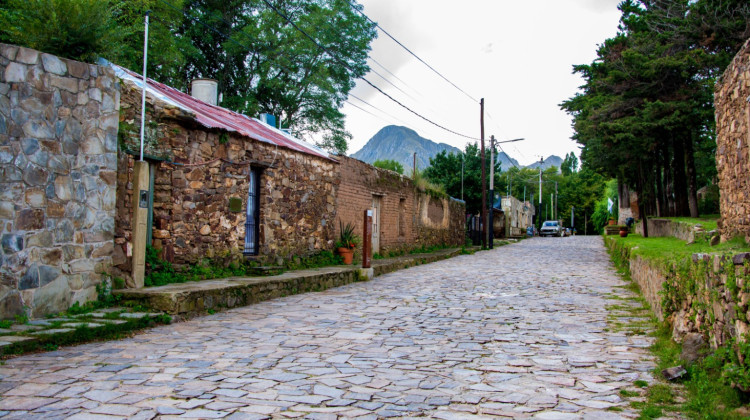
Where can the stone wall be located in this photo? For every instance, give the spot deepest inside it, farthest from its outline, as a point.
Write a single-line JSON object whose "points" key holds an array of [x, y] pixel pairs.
{"points": [[708, 294], [198, 170], [408, 218], [733, 145], [666, 227], [58, 141]]}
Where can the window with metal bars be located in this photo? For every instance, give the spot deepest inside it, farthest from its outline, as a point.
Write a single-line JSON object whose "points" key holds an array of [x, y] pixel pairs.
{"points": [[252, 214]]}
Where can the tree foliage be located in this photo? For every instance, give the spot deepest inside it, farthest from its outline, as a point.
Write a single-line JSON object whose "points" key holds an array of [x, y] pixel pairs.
{"points": [[645, 112], [266, 65], [78, 29], [445, 169]]}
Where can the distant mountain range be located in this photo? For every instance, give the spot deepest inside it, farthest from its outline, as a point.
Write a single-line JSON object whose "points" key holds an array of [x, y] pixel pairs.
{"points": [[550, 161], [399, 143]]}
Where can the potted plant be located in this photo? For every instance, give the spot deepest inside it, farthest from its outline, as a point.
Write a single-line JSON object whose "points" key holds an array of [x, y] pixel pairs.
{"points": [[624, 231], [611, 221], [347, 242]]}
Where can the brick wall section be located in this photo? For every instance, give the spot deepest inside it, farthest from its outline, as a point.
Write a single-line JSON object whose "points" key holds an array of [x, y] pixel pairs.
{"points": [[409, 218], [192, 220], [58, 140], [733, 145]]}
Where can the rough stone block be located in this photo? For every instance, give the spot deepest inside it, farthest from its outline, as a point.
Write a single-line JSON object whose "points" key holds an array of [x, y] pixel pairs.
{"points": [[54, 65], [29, 219], [15, 73], [11, 243], [78, 69]]}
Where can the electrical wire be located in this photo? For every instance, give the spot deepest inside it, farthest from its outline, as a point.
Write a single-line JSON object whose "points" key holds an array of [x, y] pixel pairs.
{"points": [[354, 6], [283, 16], [342, 62]]}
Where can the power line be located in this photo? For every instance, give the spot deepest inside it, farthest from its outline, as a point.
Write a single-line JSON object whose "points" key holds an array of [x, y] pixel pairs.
{"points": [[409, 51], [342, 62]]}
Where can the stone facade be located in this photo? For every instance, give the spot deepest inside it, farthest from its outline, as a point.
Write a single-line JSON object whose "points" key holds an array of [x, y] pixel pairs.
{"points": [[198, 171], [519, 215], [409, 218], [733, 145], [58, 143]]}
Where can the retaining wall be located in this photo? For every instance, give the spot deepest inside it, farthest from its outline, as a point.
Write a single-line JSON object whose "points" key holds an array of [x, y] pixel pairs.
{"points": [[706, 294]]}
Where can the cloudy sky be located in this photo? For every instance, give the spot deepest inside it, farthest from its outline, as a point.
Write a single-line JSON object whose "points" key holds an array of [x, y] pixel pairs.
{"points": [[517, 55]]}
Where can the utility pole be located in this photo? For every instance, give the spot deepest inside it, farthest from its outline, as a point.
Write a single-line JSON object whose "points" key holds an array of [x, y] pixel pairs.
{"points": [[556, 215], [490, 230], [572, 217], [541, 161], [462, 176], [483, 216]]}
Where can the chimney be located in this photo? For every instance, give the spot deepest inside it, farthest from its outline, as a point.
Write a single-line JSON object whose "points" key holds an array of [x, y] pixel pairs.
{"points": [[205, 90]]}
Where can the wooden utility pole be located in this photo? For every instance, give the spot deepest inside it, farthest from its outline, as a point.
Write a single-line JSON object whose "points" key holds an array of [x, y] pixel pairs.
{"points": [[483, 216]]}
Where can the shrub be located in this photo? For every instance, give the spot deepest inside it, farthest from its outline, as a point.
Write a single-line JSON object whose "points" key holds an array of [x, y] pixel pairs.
{"points": [[81, 30]]}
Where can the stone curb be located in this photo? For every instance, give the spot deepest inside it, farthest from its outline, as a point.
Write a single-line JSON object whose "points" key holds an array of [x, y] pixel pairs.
{"points": [[187, 299]]}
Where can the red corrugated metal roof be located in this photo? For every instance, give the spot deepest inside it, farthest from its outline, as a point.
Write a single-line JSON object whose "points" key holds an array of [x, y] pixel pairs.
{"points": [[217, 117]]}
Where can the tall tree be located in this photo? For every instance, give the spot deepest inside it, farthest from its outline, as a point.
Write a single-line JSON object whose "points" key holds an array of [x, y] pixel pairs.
{"points": [[264, 64], [646, 106]]}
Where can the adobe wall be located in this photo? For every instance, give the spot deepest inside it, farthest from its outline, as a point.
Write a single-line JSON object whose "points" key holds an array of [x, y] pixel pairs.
{"points": [[202, 169], [733, 145], [409, 218], [58, 141]]}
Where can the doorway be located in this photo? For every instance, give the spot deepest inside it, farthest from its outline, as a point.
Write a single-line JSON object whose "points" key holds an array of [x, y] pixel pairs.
{"points": [[376, 205]]}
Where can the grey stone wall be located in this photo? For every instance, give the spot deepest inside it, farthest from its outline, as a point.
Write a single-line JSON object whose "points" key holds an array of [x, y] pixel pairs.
{"points": [[58, 160]]}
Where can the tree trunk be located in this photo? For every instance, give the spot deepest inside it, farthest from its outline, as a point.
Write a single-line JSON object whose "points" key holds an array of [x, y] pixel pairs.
{"points": [[641, 199], [680, 181], [691, 177], [668, 184], [660, 202]]}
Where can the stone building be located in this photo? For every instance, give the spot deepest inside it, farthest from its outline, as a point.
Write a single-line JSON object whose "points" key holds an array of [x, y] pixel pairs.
{"points": [[733, 145], [404, 216], [518, 216], [224, 186], [58, 160]]}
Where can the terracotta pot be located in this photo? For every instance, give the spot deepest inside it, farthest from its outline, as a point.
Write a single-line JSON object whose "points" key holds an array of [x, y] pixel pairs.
{"points": [[347, 254], [612, 222], [624, 232]]}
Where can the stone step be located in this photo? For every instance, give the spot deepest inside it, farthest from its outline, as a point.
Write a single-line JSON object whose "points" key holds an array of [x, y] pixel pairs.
{"points": [[198, 297]]}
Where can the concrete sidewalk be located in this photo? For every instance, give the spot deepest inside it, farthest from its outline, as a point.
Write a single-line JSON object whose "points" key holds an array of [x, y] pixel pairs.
{"points": [[186, 299]]}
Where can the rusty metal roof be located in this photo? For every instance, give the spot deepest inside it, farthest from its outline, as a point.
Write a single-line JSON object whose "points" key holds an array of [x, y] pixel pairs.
{"points": [[213, 116]]}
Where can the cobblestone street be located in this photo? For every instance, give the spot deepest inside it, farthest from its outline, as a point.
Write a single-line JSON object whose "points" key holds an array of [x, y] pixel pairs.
{"points": [[520, 331]]}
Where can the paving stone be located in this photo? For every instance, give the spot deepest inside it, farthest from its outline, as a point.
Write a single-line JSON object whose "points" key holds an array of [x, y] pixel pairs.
{"points": [[495, 334]]}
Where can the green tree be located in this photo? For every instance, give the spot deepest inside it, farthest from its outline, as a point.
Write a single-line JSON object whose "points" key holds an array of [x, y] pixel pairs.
{"points": [[81, 30], [266, 65], [389, 164], [445, 169], [647, 104], [570, 164]]}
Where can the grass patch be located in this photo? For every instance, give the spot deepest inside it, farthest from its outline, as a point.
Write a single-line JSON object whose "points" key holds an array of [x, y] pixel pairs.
{"points": [[669, 249], [706, 388], [709, 221]]}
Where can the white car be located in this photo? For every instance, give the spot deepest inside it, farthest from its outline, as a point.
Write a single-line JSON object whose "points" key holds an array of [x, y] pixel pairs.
{"points": [[551, 228]]}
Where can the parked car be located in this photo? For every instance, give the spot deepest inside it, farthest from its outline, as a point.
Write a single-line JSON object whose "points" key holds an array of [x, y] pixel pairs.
{"points": [[551, 228]]}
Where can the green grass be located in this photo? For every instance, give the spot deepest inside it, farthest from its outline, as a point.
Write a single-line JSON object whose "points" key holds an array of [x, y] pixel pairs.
{"points": [[664, 249], [708, 221]]}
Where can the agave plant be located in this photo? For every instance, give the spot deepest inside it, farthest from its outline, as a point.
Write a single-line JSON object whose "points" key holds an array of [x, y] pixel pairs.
{"points": [[347, 238]]}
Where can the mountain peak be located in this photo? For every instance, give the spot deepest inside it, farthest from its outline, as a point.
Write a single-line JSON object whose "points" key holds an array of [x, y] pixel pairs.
{"points": [[400, 143]]}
